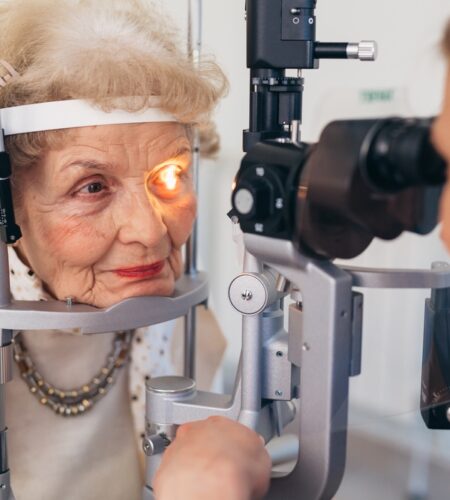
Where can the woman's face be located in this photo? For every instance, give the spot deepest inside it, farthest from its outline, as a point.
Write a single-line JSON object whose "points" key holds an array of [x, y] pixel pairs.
{"points": [[441, 139], [105, 216]]}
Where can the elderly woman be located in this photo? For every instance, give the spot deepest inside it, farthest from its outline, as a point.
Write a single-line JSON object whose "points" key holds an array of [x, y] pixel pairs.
{"points": [[104, 212]]}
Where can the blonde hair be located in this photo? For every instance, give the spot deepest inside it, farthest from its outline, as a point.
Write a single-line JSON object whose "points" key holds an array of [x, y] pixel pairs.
{"points": [[100, 50]]}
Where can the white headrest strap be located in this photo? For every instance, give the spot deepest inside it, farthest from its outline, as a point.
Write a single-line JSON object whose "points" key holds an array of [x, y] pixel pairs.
{"points": [[58, 115]]}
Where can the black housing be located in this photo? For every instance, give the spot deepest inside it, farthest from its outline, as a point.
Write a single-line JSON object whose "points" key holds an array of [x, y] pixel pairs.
{"points": [[363, 179]]}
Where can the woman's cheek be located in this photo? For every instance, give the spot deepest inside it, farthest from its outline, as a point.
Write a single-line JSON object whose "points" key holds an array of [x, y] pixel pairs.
{"points": [[176, 263], [179, 219], [69, 239]]}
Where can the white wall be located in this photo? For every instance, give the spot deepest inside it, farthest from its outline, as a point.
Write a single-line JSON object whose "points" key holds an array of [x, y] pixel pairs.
{"points": [[411, 68]]}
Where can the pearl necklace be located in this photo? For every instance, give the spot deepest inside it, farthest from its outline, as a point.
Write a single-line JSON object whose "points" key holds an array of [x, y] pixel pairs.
{"points": [[72, 403]]}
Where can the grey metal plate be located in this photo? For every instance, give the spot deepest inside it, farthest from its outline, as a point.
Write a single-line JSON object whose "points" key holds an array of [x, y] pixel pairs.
{"points": [[438, 277], [126, 315]]}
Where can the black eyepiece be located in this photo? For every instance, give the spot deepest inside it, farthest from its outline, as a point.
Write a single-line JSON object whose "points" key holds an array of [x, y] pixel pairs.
{"points": [[398, 153]]}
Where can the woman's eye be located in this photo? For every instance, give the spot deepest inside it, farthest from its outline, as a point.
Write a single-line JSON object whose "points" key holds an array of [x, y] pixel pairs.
{"points": [[92, 188], [167, 182]]}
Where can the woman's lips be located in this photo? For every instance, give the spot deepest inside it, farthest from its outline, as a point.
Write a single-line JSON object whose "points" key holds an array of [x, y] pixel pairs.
{"points": [[141, 272]]}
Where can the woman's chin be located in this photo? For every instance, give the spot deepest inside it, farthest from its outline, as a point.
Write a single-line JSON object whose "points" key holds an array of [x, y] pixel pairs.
{"points": [[104, 299]]}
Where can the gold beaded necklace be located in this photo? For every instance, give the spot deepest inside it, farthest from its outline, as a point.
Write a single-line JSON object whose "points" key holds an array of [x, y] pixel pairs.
{"points": [[72, 403]]}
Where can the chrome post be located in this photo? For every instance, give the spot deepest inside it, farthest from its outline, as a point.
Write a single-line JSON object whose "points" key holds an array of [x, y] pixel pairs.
{"points": [[194, 51]]}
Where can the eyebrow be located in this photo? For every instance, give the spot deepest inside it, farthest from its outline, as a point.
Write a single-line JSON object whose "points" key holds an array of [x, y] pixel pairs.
{"points": [[178, 151], [181, 150], [90, 163]]}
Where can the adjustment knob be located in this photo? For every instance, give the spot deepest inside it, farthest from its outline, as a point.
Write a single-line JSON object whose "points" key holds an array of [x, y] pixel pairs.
{"points": [[253, 200], [155, 444], [366, 50], [244, 201]]}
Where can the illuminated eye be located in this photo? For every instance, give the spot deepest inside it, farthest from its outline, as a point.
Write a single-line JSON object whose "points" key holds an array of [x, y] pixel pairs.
{"points": [[170, 176], [166, 182]]}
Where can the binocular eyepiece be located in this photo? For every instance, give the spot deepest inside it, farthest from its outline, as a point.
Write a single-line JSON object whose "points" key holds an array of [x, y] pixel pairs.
{"points": [[398, 153], [363, 179]]}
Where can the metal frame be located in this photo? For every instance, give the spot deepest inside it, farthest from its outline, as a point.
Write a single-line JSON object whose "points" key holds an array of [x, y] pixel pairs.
{"points": [[194, 49], [325, 344]]}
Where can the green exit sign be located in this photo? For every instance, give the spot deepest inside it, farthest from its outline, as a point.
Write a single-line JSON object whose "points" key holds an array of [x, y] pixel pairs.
{"points": [[380, 95]]}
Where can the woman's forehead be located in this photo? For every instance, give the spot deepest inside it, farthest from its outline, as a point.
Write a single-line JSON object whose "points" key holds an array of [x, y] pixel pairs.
{"points": [[157, 137], [118, 148]]}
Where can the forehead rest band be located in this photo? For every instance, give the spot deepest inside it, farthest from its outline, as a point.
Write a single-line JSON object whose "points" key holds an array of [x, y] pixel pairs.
{"points": [[57, 115]]}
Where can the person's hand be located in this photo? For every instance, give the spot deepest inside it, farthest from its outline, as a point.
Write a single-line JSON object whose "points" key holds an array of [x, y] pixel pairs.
{"points": [[215, 459]]}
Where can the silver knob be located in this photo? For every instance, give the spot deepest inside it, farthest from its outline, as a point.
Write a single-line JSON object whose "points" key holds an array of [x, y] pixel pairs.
{"points": [[155, 444], [364, 51], [251, 293]]}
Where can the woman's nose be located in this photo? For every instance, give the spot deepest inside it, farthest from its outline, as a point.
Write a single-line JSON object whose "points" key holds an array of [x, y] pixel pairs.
{"points": [[140, 220]]}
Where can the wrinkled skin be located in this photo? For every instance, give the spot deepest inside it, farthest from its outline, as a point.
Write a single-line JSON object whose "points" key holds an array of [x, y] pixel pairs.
{"points": [[441, 139], [99, 204]]}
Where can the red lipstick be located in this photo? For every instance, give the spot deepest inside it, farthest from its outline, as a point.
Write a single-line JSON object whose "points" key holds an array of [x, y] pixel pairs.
{"points": [[141, 272]]}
